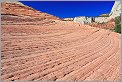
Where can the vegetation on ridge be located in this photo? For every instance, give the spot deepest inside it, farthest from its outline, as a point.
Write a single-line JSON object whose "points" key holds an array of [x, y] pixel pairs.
{"points": [[118, 24]]}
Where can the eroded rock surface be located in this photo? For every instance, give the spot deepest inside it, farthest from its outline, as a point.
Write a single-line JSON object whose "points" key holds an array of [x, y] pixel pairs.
{"points": [[37, 49], [116, 11]]}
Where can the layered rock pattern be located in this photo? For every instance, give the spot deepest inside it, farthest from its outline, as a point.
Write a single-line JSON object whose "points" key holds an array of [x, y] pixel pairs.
{"points": [[35, 49], [23, 13]]}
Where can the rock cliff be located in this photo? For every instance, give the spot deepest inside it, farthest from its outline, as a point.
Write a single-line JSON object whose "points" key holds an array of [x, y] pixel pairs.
{"points": [[116, 11]]}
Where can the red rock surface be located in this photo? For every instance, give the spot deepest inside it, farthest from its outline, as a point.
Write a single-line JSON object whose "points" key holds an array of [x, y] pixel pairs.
{"points": [[35, 49], [109, 25], [21, 10]]}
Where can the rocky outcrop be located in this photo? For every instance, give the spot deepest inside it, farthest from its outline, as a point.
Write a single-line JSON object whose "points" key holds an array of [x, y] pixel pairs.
{"points": [[101, 19], [116, 11], [108, 25], [18, 13], [83, 20], [105, 21], [89, 20], [18, 9]]}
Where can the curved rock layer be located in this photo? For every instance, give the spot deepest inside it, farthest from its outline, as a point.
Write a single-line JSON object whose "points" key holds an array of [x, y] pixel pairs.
{"points": [[22, 10], [59, 53], [59, 50]]}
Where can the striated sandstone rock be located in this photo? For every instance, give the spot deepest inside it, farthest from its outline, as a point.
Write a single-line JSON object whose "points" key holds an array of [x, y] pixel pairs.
{"points": [[17, 13], [61, 51], [9, 8]]}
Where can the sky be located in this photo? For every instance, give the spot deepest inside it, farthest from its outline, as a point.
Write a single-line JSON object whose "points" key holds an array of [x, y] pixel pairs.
{"points": [[71, 9]]}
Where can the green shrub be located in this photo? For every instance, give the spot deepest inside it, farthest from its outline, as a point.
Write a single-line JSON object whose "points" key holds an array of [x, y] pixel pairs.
{"points": [[117, 24]]}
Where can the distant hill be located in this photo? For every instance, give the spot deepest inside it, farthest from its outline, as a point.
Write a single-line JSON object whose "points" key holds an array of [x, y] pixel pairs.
{"points": [[18, 9]]}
